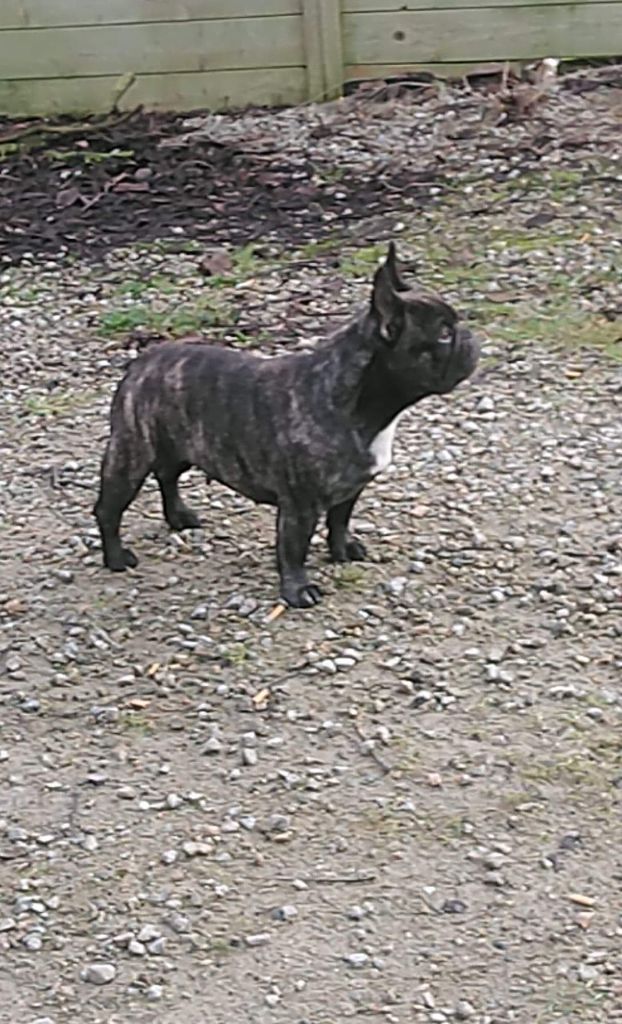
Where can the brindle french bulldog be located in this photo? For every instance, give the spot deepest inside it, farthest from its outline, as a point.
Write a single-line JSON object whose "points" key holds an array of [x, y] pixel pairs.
{"points": [[305, 432]]}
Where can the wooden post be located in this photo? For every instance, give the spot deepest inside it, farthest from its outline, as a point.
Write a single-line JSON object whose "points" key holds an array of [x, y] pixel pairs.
{"points": [[323, 48]]}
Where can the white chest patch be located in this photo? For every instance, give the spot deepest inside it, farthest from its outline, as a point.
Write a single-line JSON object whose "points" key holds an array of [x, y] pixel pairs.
{"points": [[381, 448]]}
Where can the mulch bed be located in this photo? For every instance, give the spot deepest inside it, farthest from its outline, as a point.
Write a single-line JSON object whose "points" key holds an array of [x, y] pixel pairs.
{"points": [[135, 178]]}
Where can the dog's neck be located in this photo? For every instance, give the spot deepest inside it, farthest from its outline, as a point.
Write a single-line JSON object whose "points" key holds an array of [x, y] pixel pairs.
{"points": [[361, 383], [380, 400]]}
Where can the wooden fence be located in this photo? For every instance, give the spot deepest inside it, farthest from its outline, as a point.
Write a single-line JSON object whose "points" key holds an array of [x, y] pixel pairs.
{"points": [[62, 56]]}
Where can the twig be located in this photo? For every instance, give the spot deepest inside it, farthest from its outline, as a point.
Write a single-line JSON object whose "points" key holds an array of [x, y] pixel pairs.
{"points": [[40, 128], [331, 879], [372, 752], [121, 87]]}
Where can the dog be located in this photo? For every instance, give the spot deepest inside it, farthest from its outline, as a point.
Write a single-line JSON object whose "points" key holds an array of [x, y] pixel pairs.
{"points": [[305, 432]]}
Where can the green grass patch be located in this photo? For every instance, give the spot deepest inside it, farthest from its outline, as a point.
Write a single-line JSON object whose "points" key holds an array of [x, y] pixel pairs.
{"points": [[362, 262], [56, 404], [87, 157], [175, 322], [349, 577]]}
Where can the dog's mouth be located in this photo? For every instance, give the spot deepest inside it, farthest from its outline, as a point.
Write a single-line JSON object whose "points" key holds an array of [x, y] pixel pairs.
{"points": [[461, 356]]}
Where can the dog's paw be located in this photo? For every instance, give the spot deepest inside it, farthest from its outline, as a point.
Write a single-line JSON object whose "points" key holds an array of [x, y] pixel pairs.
{"points": [[129, 558], [352, 551], [119, 563], [355, 551], [184, 519], [304, 596]]}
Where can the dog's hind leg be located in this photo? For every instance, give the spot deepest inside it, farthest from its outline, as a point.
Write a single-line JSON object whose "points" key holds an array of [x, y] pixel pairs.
{"points": [[176, 512], [122, 476], [342, 546]]}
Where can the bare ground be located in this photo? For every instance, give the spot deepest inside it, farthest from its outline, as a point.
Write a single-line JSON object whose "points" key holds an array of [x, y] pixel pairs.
{"points": [[404, 805]]}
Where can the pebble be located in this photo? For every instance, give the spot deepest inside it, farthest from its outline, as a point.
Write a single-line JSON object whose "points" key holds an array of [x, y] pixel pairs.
{"points": [[493, 861], [278, 823], [587, 973], [396, 586], [200, 612], [464, 1010], [453, 907], [285, 913], [196, 849], [99, 973], [64, 575], [157, 947], [213, 745], [148, 933], [356, 960], [260, 939], [126, 793]]}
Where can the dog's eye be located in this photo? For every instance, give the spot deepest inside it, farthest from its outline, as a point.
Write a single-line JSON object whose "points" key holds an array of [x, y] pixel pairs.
{"points": [[446, 335]]}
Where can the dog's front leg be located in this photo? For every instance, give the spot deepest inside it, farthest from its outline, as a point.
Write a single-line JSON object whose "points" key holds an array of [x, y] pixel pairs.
{"points": [[295, 527], [342, 545]]}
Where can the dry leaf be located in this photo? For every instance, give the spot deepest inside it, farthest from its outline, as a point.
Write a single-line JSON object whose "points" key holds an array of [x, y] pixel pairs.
{"points": [[261, 697], [67, 197], [216, 263], [153, 668]]}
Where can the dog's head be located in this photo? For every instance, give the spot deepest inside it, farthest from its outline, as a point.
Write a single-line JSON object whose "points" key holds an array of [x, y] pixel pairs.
{"points": [[421, 344]]}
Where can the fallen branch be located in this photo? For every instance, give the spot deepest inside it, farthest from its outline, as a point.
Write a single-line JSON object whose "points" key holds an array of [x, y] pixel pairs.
{"points": [[82, 128]]}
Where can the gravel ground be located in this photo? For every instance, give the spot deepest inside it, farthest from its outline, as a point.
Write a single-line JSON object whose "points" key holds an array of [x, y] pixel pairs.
{"points": [[403, 805]]}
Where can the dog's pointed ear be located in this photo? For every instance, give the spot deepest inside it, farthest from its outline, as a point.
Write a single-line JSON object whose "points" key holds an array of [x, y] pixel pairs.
{"points": [[386, 304], [393, 267]]}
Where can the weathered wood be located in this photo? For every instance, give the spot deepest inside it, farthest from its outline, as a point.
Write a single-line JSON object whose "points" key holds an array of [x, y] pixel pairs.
{"points": [[391, 6], [511, 33], [323, 48], [59, 56], [152, 48], [215, 90], [53, 13]]}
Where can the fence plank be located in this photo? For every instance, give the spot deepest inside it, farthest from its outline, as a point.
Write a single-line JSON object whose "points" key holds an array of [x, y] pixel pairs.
{"points": [[512, 33], [323, 48], [215, 90], [377, 6], [151, 48], [54, 13]]}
